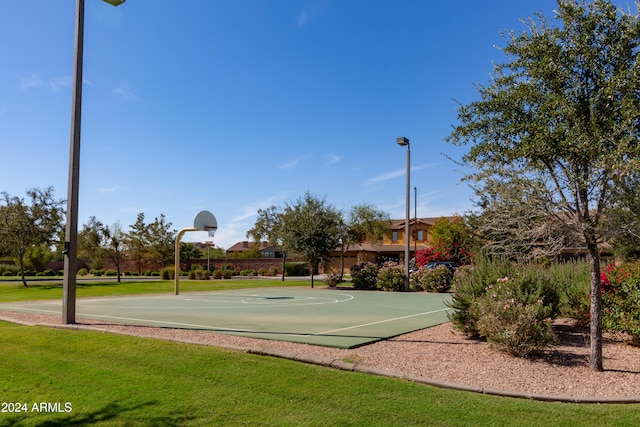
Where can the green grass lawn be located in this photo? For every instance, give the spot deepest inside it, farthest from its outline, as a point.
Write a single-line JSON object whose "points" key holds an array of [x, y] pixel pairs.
{"points": [[107, 379], [50, 289], [113, 380]]}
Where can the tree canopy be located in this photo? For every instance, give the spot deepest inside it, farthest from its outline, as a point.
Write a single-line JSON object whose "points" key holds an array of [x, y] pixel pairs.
{"points": [[311, 228], [30, 224], [563, 111]]}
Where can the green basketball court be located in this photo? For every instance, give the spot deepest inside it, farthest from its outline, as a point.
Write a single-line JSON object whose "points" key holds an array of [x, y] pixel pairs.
{"points": [[327, 317]]}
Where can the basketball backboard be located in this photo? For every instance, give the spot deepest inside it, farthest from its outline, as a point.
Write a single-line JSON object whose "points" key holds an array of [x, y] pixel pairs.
{"points": [[205, 221]]}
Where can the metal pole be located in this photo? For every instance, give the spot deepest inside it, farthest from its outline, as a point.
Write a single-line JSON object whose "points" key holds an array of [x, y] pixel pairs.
{"points": [[71, 231], [415, 218], [176, 274], [407, 248]]}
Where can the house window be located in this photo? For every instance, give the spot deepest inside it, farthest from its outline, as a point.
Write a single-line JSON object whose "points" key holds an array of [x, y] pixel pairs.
{"points": [[394, 236], [420, 237]]}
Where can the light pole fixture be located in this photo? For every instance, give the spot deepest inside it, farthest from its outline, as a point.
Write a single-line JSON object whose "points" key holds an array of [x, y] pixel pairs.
{"points": [[70, 250], [402, 141]]}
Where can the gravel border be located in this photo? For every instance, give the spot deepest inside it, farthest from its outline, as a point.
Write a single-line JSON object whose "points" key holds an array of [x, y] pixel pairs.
{"points": [[437, 356]]}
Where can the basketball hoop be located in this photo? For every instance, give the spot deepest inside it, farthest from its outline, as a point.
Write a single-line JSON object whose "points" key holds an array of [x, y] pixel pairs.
{"points": [[211, 230], [204, 221]]}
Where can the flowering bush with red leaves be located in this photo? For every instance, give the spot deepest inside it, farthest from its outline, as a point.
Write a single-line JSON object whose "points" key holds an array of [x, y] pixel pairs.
{"points": [[620, 287], [441, 251]]}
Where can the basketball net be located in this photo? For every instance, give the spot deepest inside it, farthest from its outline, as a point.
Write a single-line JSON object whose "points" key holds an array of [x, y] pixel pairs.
{"points": [[211, 231]]}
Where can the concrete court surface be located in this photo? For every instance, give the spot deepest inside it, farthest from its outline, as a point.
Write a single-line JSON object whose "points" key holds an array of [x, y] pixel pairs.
{"points": [[321, 316]]}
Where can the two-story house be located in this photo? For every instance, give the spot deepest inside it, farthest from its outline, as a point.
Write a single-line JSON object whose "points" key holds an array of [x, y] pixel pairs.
{"points": [[391, 247]]}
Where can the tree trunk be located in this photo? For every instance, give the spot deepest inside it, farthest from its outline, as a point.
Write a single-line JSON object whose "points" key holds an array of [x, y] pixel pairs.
{"points": [[312, 269], [24, 281], [596, 305]]}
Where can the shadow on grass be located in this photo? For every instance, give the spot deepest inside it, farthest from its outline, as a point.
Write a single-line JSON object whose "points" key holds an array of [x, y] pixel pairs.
{"points": [[108, 413]]}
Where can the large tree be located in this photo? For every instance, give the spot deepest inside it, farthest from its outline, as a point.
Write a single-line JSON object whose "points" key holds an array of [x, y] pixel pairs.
{"points": [[113, 243], [362, 223], [97, 241], [27, 224], [563, 110], [311, 228], [90, 246], [137, 242], [514, 223], [269, 227], [162, 240]]}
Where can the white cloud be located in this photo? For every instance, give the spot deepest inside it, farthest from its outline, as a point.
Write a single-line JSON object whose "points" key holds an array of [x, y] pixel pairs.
{"points": [[333, 159], [303, 18], [396, 173], [291, 164], [387, 176], [30, 82], [252, 210], [124, 91], [57, 83]]}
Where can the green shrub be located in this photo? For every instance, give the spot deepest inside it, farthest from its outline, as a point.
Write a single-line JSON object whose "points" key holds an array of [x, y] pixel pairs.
{"points": [[217, 274], [246, 272], [391, 277], [155, 273], [110, 273], [168, 273], [199, 274], [83, 272], [364, 276], [470, 283], [332, 279], [293, 269], [40, 274], [513, 317], [11, 269], [431, 279], [227, 274]]}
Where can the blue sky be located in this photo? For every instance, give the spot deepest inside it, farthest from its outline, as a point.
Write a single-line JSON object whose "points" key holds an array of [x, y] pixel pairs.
{"points": [[233, 105]]}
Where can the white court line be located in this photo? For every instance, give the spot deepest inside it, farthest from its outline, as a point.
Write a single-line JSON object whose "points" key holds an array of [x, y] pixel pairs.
{"points": [[161, 322], [207, 327], [381, 321], [240, 303]]}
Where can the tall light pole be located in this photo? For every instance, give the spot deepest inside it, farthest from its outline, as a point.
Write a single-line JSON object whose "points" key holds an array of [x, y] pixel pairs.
{"points": [[208, 244], [402, 141], [415, 220], [70, 250]]}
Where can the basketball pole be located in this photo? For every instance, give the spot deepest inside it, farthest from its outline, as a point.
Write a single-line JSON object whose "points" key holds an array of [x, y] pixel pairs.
{"points": [[176, 274]]}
